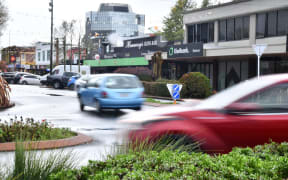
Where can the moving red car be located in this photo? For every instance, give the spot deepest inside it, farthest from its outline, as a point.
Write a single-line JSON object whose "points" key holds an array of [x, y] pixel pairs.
{"points": [[251, 113]]}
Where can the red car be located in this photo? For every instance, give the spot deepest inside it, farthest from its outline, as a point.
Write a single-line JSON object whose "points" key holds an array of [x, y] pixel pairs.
{"points": [[251, 113]]}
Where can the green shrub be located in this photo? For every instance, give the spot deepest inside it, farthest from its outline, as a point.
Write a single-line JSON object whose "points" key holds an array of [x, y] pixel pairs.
{"points": [[262, 162], [156, 89], [195, 85]]}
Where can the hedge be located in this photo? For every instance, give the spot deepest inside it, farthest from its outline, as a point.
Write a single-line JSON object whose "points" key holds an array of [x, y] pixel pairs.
{"points": [[158, 88], [263, 162]]}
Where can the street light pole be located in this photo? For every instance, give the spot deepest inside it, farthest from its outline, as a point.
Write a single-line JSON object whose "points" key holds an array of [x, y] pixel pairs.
{"points": [[51, 43]]}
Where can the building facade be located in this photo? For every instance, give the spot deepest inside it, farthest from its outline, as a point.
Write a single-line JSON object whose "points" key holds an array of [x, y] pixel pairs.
{"points": [[228, 32]]}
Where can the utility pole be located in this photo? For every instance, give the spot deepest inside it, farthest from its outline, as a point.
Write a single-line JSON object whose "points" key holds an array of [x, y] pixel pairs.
{"points": [[51, 43], [64, 52], [79, 53], [57, 51]]}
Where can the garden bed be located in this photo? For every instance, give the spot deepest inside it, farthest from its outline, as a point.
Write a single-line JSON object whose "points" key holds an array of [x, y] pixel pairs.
{"points": [[37, 135]]}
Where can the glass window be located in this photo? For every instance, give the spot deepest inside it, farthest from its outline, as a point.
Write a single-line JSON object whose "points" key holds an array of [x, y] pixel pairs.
{"points": [[198, 33], [272, 24], [230, 29], [275, 96], [238, 28], [39, 56], [222, 30], [246, 27], [43, 55], [282, 22], [94, 82], [204, 33], [211, 32], [261, 25], [48, 55], [191, 32], [122, 82]]}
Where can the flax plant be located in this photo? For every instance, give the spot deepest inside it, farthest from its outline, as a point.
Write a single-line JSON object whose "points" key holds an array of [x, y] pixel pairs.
{"points": [[4, 93]]}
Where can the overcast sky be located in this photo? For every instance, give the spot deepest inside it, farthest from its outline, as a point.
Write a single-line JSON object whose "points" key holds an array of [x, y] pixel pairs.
{"points": [[30, 19]]}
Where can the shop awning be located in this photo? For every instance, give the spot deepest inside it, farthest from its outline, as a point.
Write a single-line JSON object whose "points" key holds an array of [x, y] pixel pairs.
{"points": [[137, 61]]}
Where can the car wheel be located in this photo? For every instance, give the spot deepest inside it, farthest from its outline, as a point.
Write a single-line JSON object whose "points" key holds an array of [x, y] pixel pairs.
{"points": [[177, 142], [98, 107], [71, 87], [82, 106], [57, 85], [12, 81], [138, 108], [25, 83]]}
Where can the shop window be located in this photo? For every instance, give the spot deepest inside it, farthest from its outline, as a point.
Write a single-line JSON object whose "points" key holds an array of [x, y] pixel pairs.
{"points": [[282, 22], [230, 29], [272, 24], [222, 30], [261, 25]]}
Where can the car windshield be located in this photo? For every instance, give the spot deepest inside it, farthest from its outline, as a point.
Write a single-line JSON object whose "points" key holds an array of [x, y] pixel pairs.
{"points": [[122, 82]]}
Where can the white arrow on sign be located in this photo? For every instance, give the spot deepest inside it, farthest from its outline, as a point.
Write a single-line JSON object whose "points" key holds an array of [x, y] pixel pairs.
{"points": [[259, 49]]}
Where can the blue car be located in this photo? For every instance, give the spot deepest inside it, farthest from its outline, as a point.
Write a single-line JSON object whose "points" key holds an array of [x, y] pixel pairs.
{"points": [[72, 80], [112, 91]]}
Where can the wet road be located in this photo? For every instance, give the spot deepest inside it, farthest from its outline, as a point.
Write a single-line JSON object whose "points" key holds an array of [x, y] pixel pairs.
{"points": [[61, 108]]}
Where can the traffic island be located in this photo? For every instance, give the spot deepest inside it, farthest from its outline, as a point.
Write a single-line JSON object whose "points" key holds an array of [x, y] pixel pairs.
{"points": [[37, 135]]}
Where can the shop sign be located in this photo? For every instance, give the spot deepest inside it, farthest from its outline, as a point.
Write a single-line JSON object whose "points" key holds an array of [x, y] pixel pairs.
{"points": [[185, 50]]}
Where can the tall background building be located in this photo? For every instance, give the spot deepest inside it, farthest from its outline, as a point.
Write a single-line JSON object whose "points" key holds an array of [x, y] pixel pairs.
{"points": [[112, 18]]}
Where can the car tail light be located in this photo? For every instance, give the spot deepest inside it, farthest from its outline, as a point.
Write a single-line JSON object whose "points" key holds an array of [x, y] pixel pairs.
{"points": [[104, 94]]}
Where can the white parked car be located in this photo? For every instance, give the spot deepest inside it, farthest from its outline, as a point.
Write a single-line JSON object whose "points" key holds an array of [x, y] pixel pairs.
{"points": [[30, 79]]}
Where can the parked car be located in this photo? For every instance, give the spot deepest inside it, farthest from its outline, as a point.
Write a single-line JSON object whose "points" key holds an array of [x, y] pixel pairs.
{"points": [[30, 80], [84, 70], [43, 79], [82, 81], [9, 76], [72, 80], [59, 81], [18, 76], [112, 91], [248, 114]]}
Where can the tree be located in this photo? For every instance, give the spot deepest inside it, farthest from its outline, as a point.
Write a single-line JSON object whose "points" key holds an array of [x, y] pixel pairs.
{"points": [[3, 16], [205, 3], [173, 24]]}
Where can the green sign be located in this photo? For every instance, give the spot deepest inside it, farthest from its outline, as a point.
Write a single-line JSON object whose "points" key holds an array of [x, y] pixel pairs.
{"points": [[138, 61]]}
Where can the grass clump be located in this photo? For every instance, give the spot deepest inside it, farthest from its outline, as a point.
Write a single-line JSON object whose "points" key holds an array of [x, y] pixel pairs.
{"points": [[268, 161], [31, 130], [34, 165]]}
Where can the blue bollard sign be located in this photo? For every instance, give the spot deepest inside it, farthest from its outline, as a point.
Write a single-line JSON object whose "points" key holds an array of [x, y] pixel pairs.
{"points": [[174, 90]]}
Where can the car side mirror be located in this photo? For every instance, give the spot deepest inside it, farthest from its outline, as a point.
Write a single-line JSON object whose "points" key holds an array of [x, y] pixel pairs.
{"points": [[235, 108]]}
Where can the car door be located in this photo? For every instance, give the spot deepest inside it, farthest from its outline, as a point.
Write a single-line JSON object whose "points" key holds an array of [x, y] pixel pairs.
{"points": [[266, 120], [91, 91]]}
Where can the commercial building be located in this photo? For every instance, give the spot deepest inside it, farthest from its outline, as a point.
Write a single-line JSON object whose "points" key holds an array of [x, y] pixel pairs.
{"points": [[19, 58], [220, 40]]}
